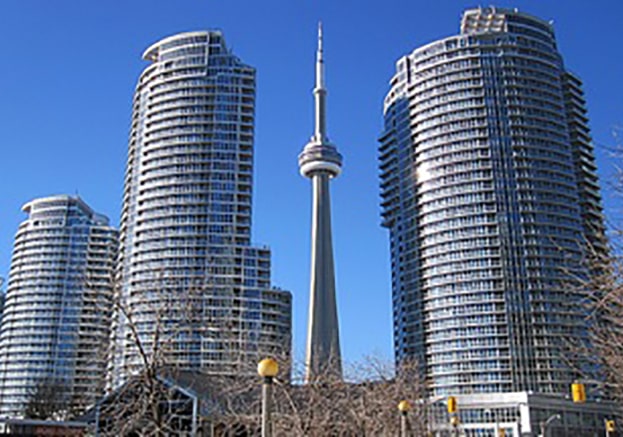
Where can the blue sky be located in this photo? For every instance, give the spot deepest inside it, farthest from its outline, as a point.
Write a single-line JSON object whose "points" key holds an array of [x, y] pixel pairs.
{"points": [[69, 68]]}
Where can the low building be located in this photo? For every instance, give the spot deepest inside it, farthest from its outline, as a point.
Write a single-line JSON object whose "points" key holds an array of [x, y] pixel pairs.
{"points": [[519, 414], [31, 427]]}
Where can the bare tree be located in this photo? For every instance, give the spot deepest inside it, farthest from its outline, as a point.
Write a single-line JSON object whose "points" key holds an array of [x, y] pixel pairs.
{"points": [[604, 291], [156, 323], [160, 322], [365, 406], [49, 400], [144, 406], [154, 401], [605, 305]]}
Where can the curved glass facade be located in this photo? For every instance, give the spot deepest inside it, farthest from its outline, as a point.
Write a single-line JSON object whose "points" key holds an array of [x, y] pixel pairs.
{"points": [[489, 191], [57, 312], [186, 219]]}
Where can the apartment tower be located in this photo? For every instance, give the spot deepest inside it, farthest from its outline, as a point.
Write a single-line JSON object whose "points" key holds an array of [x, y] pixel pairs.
{"points": [[490, 194], [189, 275], [57, 314]]}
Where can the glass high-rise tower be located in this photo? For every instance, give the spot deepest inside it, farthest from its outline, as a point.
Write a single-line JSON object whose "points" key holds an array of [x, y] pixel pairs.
{"points": [[185, 234], [57, 312], [489, 192]]}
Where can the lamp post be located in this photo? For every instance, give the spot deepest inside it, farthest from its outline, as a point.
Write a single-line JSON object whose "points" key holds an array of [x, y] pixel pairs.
{"points": [[518, 405], [496, 432], [267, 369], [455, 422], [404, 407], [545, 423]]}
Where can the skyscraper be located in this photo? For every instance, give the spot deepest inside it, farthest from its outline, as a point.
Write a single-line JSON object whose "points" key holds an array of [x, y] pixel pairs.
{"points": [[489, 192], [185, 236], [320, 161], [57, 314]]}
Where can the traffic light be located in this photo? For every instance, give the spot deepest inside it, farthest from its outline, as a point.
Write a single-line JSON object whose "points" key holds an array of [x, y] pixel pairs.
{"points": [[452, 405], [610, 426], [578, 392]]}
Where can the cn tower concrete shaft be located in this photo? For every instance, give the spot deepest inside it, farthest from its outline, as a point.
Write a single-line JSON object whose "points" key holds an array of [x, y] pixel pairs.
{"points": [[320, 161], [323, 338]]}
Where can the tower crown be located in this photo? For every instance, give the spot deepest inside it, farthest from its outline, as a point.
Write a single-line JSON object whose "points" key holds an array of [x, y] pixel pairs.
{"points": [[319, 155]]}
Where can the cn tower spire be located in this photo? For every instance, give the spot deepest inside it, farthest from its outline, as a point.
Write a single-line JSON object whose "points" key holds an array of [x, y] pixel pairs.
{"points": [[320, 93], [320, 161]]}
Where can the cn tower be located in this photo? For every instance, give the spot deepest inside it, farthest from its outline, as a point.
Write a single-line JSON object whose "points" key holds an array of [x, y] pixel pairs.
{"points": [[320, 161]]}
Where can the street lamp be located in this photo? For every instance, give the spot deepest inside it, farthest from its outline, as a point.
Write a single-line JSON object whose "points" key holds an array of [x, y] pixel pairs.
{"points": [[490, 413], [404, 407], [545, 423], [518, 405], [267, 369], [455, 422]]}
